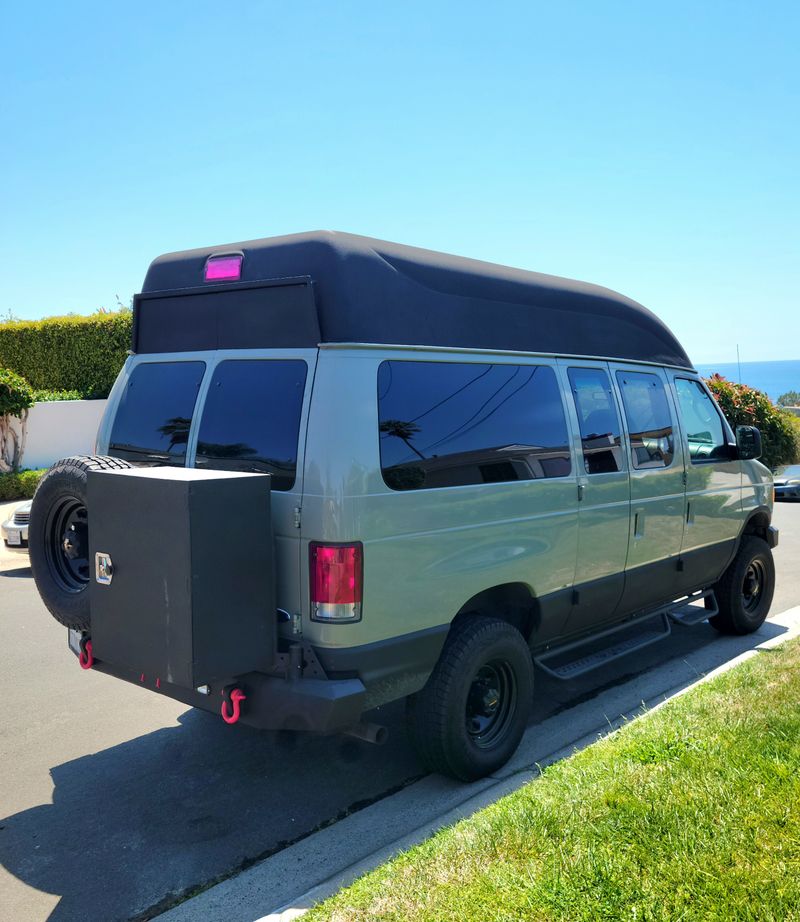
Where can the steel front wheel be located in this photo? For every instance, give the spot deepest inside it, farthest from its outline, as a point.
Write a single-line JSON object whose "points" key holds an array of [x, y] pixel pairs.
{"points": [[469, 718], [745, 591]]}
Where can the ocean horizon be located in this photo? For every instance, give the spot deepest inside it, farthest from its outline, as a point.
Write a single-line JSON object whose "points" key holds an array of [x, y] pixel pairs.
{"points": [[773, 378]]}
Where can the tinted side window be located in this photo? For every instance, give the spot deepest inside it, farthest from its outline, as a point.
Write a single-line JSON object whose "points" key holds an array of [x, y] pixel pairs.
{"points": [[649, 420], [155, 412], [597, 419], [701, 419], [445, 424], [251, 419]]}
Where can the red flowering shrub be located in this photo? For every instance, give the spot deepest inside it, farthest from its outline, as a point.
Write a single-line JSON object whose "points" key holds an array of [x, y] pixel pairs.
{"points": [[745, 406]]}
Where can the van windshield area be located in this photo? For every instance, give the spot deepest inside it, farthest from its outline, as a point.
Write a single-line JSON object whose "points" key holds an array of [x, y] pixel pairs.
{"points": [[249, 420]]}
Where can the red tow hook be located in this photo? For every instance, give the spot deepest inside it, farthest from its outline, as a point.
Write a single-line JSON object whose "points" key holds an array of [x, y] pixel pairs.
{"points": [[236, 695], [85, 657]]}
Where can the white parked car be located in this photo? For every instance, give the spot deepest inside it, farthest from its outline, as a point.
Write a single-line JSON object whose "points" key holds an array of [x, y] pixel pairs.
{"points": [[15, 530]]}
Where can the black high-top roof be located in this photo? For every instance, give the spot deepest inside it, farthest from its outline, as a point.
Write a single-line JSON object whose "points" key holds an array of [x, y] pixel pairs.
{"points": [[371, 291]]}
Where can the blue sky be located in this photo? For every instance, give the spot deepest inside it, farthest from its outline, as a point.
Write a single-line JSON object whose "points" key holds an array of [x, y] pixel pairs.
{"points": [[652, 148]]}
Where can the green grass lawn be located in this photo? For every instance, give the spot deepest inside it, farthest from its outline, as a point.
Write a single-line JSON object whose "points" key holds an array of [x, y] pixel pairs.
{"points": [[690, 813]]}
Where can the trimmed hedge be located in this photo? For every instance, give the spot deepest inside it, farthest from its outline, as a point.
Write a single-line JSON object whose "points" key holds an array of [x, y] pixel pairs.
{"points": [[47, 396], [80, 354], [21, 485]]}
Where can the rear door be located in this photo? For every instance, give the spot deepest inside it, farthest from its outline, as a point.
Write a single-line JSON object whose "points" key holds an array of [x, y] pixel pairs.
{"points": [[237, 409], [253, 417], [657, 489], [603, 493]]}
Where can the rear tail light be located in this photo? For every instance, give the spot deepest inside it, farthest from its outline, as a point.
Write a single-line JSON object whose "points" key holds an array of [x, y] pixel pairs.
{"points": [[336, 581], [223, 268]]}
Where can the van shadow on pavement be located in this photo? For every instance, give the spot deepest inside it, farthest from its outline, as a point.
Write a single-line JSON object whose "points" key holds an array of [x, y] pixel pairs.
{"points": [[132, 824], [135, 825]]}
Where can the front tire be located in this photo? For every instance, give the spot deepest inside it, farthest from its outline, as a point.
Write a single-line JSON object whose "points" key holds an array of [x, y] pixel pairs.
{"points": [[58, 538], [744, 593], [469, 718]]}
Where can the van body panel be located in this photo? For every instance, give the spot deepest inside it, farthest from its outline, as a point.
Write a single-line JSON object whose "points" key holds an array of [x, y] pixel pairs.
{"points": [[434, 548], [757, 489], [390, 669]]}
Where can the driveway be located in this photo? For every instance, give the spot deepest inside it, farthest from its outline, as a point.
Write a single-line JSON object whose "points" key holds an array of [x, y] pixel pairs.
{"points": [[114, 800]]}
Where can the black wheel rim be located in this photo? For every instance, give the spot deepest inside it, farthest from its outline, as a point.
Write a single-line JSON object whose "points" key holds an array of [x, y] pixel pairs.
{"points": [[67, 543], [755, 578], [491, 704]]}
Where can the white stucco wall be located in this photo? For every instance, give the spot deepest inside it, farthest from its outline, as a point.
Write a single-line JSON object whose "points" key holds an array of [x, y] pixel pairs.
{"points": [[59, 429]]}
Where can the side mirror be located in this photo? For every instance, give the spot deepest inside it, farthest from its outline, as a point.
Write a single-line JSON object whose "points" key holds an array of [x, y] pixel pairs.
{"points": [[748, 443]]}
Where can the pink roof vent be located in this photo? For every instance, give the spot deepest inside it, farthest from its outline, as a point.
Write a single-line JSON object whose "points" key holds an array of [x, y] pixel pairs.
{"points": [[223, 268]]}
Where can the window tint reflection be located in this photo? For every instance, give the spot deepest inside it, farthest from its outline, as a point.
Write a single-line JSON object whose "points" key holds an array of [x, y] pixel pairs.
{"points": [[597, 419], [251, 418], [702, 422], [649, 419], [155, 412], [452, 424]]}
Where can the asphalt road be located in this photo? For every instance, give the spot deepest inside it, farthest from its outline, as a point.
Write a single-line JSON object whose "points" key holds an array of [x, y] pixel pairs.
{"points": [[114, 799]]}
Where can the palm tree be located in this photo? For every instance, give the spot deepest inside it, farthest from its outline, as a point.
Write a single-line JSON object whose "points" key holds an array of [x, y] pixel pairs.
{"points": [[402, 430], [177, 429]]}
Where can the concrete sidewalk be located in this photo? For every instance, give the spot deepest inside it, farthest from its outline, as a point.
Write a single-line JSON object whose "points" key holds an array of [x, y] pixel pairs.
{"points": [[283, 886]]}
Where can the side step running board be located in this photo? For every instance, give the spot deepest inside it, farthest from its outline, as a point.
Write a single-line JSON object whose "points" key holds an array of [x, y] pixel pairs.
{"points": [[582, 656], [688, 614], [605, 647]]}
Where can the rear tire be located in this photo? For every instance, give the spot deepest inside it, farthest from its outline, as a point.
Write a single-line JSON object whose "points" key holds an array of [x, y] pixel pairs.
{"points": [[58, 538], [469, 718], [744, 593]]}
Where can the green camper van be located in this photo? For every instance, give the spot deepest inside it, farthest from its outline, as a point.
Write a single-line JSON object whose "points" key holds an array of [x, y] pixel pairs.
{"points": [[335, 472]]}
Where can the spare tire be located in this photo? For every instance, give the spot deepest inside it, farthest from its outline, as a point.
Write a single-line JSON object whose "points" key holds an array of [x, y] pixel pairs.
{"points": [[58, 537]]}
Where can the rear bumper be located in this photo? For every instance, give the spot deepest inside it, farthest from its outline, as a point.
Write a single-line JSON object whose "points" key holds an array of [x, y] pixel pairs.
{"points": [[347, 682], [270, 703]]}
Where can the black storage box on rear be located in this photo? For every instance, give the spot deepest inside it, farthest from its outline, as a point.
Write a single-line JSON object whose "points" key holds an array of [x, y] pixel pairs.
{"points": [[191, 596]]}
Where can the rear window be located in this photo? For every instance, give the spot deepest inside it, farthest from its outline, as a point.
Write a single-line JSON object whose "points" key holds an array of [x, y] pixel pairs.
{"points": [[251, 418], [155, 412], [449, 424]]}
